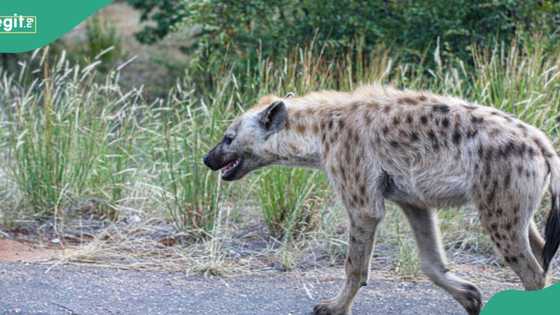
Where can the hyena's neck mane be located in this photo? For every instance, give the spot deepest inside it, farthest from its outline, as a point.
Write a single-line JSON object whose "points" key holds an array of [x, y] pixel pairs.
{"points": [[298, 143]]}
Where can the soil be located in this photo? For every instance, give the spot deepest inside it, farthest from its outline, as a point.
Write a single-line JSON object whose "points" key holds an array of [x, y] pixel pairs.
{"points": [[17, 251]]}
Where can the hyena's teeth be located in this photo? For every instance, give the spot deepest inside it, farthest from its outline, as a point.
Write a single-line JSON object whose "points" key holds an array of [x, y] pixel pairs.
{"points": [[230, 166]]}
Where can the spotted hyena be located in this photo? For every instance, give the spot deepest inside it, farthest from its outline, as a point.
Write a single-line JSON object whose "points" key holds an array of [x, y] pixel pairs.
{"points": [[421, 151]]}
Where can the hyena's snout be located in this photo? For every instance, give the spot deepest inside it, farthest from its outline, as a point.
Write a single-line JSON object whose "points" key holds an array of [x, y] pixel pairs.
{"points": [[230, 164], [211, 160]]}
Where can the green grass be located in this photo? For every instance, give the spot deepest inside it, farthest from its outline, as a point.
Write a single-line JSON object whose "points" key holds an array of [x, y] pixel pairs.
{"points": [[290, 201]]}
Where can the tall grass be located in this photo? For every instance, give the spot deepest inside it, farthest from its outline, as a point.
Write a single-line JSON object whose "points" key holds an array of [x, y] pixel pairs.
{"points": [[290, 201], [68, 137], [193, 190]]}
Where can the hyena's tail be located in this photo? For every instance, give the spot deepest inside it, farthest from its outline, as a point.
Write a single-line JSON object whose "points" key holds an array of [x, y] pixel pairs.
{"points": [[552, 230]]}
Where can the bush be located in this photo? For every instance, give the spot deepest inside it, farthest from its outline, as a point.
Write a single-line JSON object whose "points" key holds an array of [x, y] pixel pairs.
{"points": [[273, 28]]}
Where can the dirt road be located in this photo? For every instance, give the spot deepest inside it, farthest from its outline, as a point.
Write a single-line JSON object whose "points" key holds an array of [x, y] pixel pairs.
{"points": [[38, 289]]}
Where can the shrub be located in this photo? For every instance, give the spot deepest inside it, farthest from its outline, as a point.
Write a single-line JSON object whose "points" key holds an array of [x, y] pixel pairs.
{"points": [[274, 28]]}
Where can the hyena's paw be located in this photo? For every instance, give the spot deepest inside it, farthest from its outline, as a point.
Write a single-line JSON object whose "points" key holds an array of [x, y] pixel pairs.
{"points": [[471, 299], [329, 308]]}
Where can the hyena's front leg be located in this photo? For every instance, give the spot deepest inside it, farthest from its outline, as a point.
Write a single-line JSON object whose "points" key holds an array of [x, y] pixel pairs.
{"points": [[433, 261], [363, 224]]}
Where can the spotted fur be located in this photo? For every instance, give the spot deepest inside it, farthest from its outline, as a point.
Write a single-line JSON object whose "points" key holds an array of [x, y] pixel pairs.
{"points": [[421, 151]]}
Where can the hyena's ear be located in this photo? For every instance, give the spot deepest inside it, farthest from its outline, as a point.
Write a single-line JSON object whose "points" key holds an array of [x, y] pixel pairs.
{"points": [[274, 117]]}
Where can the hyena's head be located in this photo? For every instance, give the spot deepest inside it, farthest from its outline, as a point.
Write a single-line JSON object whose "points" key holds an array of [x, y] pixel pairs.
{"points": [[243, 148]]}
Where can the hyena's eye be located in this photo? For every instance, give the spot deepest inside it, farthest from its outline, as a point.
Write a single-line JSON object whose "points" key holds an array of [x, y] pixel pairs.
{"points": [[228, 139]]}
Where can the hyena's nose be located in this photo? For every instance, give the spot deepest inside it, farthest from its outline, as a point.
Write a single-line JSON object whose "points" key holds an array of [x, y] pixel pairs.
{"points": [[205, 160]]}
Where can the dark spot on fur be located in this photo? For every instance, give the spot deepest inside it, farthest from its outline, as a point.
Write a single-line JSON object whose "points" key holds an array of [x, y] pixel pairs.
{"points": [[407, 100], [499, 211], [543, 150], [356, 138], [469, 107], [432, 136], [489, 154], [507, 179], [487, 172], [367, 117], [445, 122], [396, 120], [315, 128], [422, 98], [300, 128], [423, 119], [480, 151], [341, 123], [476, 120], [409, 119], [413, 136], [362, 189], [494, 132], [385, 130], [456, 137], [520, 149], [471, 133], [492, 194], [506, 149], [440, 108], [394, 143], [494, 226], [386, 109]]}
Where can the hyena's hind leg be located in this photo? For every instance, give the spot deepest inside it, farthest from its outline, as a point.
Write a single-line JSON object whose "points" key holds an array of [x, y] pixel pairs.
{"points": [[509, 229], [433, 261]]}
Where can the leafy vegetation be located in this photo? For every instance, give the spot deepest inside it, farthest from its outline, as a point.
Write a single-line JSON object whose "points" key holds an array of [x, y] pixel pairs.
{"points": [[249, 29]]}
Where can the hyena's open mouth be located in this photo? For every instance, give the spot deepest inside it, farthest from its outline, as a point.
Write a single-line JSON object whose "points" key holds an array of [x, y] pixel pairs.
{"points": [[229, 170]]}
